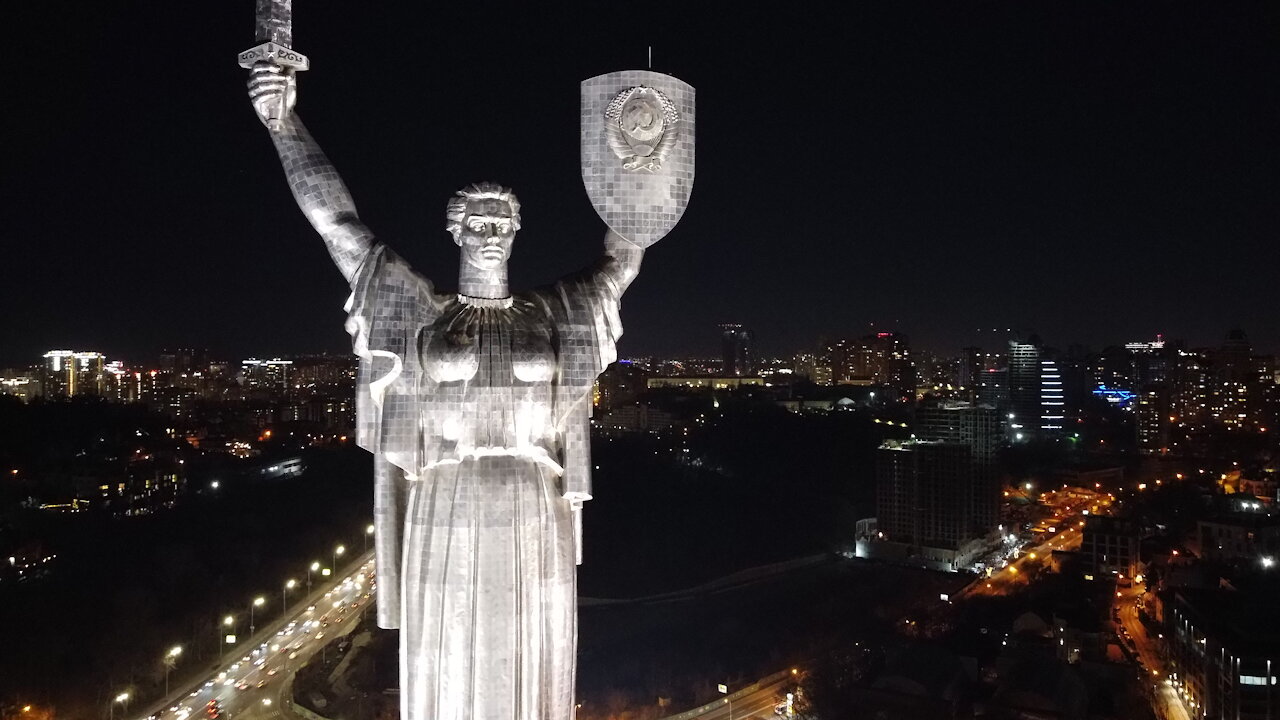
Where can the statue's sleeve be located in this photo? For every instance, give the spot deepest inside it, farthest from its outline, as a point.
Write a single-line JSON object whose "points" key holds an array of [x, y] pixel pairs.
{"points": [[585, 309], [390, 306]]}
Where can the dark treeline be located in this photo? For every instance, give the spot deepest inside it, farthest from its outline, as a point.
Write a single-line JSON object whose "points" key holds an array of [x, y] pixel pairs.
{"points": [[757, 485]]}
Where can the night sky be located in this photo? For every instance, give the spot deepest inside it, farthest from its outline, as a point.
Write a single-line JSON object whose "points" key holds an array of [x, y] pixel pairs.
{"points": [[1099, 173]]}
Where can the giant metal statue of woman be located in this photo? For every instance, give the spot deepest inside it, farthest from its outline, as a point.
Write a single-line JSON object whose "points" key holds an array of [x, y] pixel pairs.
{"points": [[475, 404]]}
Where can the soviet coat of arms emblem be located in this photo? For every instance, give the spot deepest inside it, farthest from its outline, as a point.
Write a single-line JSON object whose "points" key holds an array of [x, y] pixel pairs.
{"points": [[643, 126]]}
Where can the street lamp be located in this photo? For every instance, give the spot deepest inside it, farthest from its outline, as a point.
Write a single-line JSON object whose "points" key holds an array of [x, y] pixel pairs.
{"points": [[122, 698], [170, 659], [314, 566], [368, 533], [257, 603], [724, 690], [284, 594], [228, 622], [337, 553]]}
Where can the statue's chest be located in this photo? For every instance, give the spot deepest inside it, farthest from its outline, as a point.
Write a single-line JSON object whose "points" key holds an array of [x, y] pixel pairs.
{"points": [[490, 347]]}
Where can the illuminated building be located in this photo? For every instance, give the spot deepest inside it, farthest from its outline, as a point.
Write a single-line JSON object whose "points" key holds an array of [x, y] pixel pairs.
{"points": [[20, 384], [736, 350], [1037, 404], [1233, 376], [620, 384], [121, 384], [69, 373], [704, 383], [983, 374], [638, 417], [266, 374], [882, 358], [1190, 391], [1152, 419], [1225, 655], [811, 366]]}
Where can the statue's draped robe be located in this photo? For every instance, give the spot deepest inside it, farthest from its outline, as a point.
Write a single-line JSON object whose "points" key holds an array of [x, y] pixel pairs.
{"points": [[478, 421]]}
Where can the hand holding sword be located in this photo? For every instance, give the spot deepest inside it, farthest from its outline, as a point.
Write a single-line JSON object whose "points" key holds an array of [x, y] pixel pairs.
{"points": [[272, 86]]}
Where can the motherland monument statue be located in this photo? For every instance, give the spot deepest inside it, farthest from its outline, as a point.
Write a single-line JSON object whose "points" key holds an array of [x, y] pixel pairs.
{"points": [[476, 404]]}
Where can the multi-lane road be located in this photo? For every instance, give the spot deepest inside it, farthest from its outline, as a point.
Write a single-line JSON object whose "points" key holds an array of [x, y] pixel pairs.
{"points": [[254, 683], [759, 705]]}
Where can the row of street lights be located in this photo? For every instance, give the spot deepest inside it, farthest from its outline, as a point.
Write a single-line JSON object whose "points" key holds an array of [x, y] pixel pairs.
{"points": [[229, 622]]}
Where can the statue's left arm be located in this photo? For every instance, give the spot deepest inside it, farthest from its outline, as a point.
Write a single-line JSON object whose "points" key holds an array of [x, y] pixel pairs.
{"points": [[621, 260]]}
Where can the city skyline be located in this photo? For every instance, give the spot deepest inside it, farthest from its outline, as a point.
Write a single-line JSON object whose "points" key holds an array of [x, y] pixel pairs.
{"points": [[1092, 172]]}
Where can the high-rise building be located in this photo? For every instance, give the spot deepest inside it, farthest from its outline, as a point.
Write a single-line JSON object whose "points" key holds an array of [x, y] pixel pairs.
{"points": [[1037, 404], [979, 428], [68, 373], [1052, 400], [1152, 419], [882, 358], [1024, 390], [924, 495], [736, 350], [266, 374]]}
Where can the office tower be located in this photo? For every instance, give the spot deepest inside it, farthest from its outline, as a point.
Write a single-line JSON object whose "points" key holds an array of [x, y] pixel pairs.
{"points": [[1052, 401], [1024, 390], [736, 350], [1037, 405]]}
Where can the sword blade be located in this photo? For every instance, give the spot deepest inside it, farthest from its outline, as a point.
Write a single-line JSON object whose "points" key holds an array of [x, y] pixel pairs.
{"points": [[273, 22]]}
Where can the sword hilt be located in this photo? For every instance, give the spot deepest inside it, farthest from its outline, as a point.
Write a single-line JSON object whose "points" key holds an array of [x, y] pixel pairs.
{"points": [[280, 56]]}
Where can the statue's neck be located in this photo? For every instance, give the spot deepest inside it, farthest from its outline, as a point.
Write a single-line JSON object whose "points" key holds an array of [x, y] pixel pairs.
{"points": [[477, 282]]}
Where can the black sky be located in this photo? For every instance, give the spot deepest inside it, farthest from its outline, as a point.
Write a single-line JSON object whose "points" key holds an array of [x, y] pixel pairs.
{"points": [[1098, 172]]}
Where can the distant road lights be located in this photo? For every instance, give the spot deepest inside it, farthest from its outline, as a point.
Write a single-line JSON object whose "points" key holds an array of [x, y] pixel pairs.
{"points": [[215, 485], [310, 569], [1268, 561], [368, 533], [337, 553]]}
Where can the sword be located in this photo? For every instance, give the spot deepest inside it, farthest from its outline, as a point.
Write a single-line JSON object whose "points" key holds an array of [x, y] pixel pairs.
{"points": [[273, 28]]}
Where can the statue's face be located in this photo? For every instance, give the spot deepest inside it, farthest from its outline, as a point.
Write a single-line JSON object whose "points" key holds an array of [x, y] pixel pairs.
{"points": [[487, 233]]}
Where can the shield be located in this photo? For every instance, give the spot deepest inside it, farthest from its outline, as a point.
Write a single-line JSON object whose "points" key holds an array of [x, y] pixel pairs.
{"points": [[637, 151]]}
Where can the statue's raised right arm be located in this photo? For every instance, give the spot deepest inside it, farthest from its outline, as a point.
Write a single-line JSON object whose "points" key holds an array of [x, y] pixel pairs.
{"points": [[315, 184]]}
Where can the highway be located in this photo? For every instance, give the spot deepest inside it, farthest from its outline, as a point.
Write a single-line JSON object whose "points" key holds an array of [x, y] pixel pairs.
{"points": [[758, 705], [253, 683]]}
